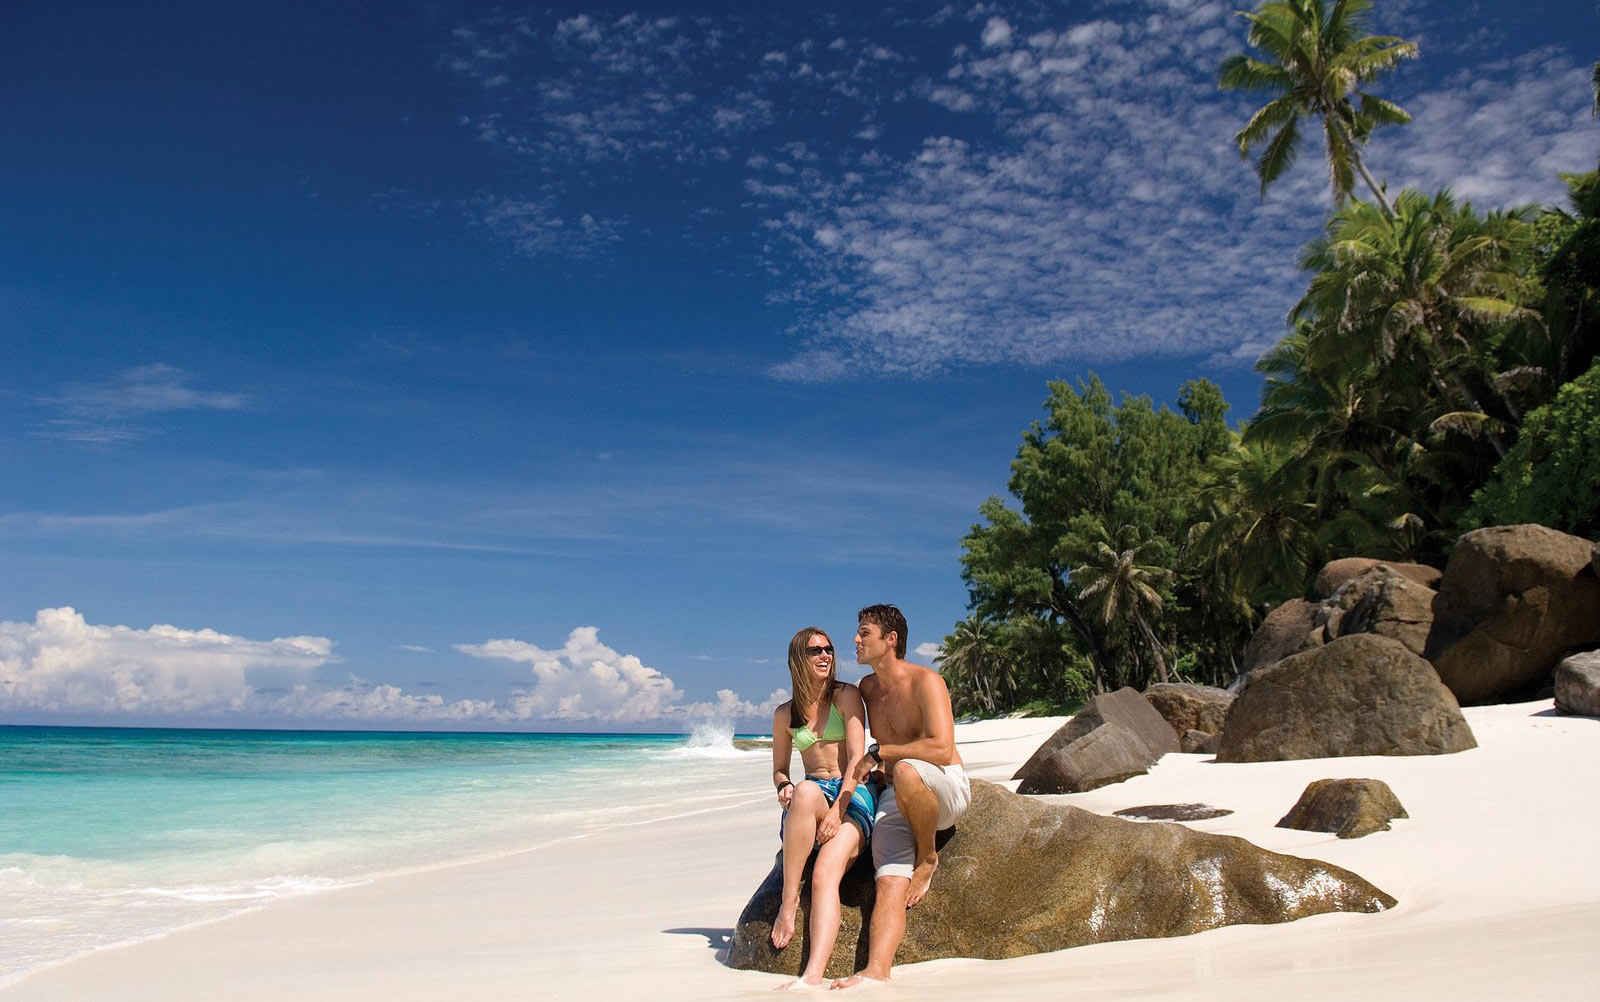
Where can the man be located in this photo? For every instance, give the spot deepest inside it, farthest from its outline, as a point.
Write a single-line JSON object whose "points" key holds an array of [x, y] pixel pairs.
{"points": [[908, 709]]}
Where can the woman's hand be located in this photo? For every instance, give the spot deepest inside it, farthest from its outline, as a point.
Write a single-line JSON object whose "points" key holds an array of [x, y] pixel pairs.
{"points": [[785, 795], [828, 827]]}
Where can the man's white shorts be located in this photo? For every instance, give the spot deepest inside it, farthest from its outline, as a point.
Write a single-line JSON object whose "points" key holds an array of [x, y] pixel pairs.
{"points": [[894, 851]]}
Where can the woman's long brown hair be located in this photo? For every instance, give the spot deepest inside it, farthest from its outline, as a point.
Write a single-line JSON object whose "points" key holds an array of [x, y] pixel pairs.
{"points": [[809, 693]]}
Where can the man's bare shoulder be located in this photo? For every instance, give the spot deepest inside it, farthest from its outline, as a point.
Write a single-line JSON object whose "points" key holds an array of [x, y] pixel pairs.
{"points": [[924, 677]]}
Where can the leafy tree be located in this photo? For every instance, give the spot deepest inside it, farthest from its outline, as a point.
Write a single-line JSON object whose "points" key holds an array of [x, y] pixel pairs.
{"points": [[1552, 475], [1317, 59], [1091, 467], [1569, 266]]}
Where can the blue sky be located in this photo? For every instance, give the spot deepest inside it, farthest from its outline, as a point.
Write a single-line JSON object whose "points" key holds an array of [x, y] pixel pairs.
{"points": [[446, 365]]}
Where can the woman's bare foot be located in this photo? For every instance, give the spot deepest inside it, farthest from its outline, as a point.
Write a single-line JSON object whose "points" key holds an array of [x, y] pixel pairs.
{"points": [[859, 978], [783, 928], [800, 985], [921, 880]]}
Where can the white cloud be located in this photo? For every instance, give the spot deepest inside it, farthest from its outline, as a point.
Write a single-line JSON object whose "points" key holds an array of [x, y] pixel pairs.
{"points": [[586, 681], [62, 666], [930, 652], [110, 411], [61, 663], [996, 33]]}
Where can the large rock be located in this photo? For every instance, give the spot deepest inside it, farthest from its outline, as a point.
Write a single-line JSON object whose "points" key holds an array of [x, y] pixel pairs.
{"points": [[1188, 707], [1286, 630], [1349, 808], [1514, 600], [1578, 684], [1124, 707], [1336, 572], [1021, 876], [1359, 695], [1108, 754], [1379, 600]]}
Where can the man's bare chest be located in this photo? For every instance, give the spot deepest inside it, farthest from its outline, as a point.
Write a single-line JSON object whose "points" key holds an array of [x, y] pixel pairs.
{"points": [[894, 716]]}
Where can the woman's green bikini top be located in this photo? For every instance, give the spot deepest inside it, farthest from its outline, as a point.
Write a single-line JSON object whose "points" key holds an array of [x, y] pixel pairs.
{"points": [[832, 731]]}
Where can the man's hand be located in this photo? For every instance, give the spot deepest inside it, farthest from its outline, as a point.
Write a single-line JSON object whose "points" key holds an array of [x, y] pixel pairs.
{"points": [[863, 768]]}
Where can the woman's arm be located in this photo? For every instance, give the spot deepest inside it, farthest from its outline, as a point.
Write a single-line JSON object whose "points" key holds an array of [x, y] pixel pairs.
{"points": [[848, 699], [782, 755]]}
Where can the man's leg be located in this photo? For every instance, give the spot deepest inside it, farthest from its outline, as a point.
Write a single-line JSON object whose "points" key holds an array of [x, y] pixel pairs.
{"points": [[888, 929], [921, 811]]}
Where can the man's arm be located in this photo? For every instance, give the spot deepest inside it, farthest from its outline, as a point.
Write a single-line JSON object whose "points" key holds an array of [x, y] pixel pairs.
{"points": [[938, 743]]}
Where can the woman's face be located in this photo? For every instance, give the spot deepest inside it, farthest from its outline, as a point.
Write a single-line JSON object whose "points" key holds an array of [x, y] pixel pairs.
{"points": [[821, 663]]}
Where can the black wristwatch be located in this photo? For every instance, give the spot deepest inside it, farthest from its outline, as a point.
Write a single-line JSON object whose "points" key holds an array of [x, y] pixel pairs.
{"points": [[872, 753]]}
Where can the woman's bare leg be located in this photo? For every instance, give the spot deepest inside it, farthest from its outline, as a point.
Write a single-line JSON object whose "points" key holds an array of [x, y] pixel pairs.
{"points": [[833, 859], [799, 837]]}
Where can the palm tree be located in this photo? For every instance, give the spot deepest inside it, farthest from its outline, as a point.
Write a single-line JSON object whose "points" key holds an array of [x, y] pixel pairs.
{"points": [[1317, 60], [1428, 283], [976, 664], [1261, 534], [1115, 581]]}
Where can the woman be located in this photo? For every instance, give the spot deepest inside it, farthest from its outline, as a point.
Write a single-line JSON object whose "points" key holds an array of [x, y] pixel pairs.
{"points": [[826, 723]]}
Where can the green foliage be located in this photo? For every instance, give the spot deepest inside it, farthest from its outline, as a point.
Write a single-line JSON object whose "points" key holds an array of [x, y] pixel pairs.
{"points": [[1086, 574], [1418, 343], [1552, 475]]}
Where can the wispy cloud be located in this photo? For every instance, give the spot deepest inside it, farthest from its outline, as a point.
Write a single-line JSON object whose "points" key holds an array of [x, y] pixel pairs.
{"points": [[115, 410], [1112, 219], [722, 506], [1498, 134], [1073, 198]]}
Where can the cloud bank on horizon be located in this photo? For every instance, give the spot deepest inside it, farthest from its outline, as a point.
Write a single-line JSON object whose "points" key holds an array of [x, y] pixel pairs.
{"points": [[60, 666], [1037, 192]]}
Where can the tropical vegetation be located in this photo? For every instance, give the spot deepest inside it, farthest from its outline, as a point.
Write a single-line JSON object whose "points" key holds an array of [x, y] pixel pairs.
{"points": [[1439, 373]]}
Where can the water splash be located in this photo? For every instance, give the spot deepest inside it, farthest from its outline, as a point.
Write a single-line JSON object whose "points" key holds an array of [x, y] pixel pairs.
{"points": [[712, 740]]}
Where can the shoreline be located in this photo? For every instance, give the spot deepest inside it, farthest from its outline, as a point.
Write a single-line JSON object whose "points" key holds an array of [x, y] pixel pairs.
{"points": [[1497, 873]]}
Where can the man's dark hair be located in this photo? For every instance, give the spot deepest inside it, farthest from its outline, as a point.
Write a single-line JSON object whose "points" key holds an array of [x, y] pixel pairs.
{"points": [[886, 618]]}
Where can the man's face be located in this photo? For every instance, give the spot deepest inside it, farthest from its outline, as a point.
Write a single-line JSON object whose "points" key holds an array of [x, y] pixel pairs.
{"points": [[871, 644]]}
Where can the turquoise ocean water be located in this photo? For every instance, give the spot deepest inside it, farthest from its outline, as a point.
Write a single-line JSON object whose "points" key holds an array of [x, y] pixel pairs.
{"points": [[113, 835]]}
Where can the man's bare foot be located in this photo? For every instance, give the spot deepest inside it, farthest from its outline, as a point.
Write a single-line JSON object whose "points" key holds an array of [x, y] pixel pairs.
{"points": [[783, 927], [921, 880], [858, 978]]}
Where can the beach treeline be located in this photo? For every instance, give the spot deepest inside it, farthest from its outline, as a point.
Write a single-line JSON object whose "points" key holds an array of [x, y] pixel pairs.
{"points": [[1439, 374]]}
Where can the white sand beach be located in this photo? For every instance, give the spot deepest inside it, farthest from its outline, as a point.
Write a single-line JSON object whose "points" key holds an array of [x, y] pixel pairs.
{"points": [[1497, 872]]}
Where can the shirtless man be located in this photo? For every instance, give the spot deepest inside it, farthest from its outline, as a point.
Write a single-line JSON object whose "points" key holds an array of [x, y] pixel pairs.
{"points": [[908, 708]]}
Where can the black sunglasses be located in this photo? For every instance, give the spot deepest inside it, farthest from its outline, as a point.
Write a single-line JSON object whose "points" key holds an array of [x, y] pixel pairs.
{"points": [[812, 652]]}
